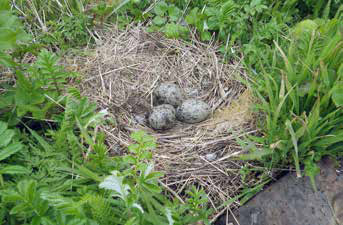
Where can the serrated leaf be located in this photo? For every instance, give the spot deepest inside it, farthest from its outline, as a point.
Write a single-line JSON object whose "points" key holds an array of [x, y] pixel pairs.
{"points": [[174, 13], [148, 169], [159, 20], [115, 183], [192, 17], [161, 8]]}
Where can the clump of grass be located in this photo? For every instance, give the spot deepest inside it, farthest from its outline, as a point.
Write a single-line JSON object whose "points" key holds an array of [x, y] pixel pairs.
{"points": [[301, 97]]}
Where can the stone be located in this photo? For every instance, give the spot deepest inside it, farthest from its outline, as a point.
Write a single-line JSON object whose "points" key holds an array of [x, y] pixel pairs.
{"points": [[168, 93], [193, 111], [293, 201], [211, 156], [162, 117]]}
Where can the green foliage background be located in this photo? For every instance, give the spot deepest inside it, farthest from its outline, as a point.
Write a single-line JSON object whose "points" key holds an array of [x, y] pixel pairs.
{"points": [[55, 167]]}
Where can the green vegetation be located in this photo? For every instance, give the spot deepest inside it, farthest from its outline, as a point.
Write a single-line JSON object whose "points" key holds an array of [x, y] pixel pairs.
{"points": [[55, 167], [54, 164]]}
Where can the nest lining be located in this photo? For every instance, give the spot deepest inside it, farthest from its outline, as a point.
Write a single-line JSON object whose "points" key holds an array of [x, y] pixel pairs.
{"points": [[121, 75]]}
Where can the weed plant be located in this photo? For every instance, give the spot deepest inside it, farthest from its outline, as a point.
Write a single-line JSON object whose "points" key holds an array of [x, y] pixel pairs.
{"points": [[301, 97], [61, 172]]}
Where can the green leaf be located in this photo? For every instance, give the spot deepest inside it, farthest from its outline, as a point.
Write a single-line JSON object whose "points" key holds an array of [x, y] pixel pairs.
{"points": [[14, 169], [152, 187], [5, 5], [115, 183], [46, 146], [22, 207], [10, 150], [256, 154], [6, 137], [3, 127], [161, 8], [11, 31], [132, 221], [337, 94], [192, 18], [311, 170], [174, 13], [159, 20], [205, 36], [7, 60], [172, 30]]}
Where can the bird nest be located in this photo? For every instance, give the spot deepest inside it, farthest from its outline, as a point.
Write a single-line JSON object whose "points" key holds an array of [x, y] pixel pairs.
{"points": [[121, 74]]}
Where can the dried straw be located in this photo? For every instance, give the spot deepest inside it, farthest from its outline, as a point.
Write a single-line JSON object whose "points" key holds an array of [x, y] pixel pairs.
{"points": [[129, 64]]}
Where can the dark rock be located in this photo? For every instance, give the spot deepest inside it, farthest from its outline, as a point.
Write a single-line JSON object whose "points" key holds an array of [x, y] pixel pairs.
{"points": [[293, 201]]}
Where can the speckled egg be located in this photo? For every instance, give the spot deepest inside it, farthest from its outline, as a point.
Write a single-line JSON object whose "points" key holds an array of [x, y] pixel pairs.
{"points": [[193, 111], [168, 93], [162, 117]]}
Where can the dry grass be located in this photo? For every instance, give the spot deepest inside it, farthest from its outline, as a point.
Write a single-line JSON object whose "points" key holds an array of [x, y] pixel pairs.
{"points": [[121, 75]]}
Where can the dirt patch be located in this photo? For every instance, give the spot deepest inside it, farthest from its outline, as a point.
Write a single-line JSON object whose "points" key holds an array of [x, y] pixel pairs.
{"points": [[122, 73]]}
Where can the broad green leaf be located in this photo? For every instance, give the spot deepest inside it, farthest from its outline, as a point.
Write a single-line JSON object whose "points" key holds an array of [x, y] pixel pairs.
{"points": [[10, 196], [174, 13], [21, 207], [10, 150], [161, 8], [6, 137], [172, 30], [159, 20], [152, 187], [115, 183], [192, 17], [3, 127], [11, 31], [36, 220], [14, 169], [5, 5]]}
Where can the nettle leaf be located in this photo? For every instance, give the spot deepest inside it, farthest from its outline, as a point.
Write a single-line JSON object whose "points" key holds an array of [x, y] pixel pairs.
{"points": [[115, 183], [174, 13], [172, 30], [161, 8], [192, 18], [11, 31], [159, 20]]}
